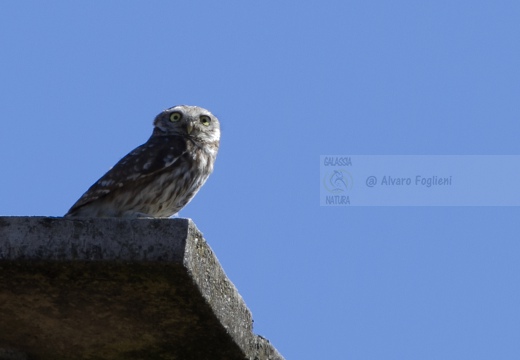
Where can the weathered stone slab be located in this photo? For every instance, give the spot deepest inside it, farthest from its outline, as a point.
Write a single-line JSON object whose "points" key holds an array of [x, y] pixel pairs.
{"points": [[118, 289]]}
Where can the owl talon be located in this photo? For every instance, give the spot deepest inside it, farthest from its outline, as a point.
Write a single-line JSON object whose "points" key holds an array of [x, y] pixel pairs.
{"points": [[137, 215]]}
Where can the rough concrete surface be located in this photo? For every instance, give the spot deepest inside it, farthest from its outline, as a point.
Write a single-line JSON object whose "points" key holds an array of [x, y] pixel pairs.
{"points": [[118, 289]]}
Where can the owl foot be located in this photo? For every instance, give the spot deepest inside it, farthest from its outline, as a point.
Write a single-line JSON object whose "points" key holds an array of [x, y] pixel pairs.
{"points": [[137, 215]]}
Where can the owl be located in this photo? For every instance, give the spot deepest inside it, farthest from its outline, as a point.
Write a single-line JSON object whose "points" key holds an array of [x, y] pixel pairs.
{"points": [[160, 177]]}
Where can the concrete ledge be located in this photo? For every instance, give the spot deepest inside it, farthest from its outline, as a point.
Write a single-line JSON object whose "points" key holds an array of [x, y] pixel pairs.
{"points": [[118, 289]]}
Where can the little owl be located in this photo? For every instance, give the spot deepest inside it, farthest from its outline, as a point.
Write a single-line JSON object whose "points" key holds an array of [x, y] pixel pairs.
{"points": [[160, 177]]}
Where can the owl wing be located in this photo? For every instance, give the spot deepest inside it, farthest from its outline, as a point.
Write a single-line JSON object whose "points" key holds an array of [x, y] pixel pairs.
{"points": [[146, 160]]}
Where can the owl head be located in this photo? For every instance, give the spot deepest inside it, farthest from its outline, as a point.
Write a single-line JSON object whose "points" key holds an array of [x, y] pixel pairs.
{"points": [[188, 121]]}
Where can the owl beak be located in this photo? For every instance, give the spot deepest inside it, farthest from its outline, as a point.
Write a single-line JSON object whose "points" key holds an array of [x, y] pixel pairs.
{"points": [[189, 127]]}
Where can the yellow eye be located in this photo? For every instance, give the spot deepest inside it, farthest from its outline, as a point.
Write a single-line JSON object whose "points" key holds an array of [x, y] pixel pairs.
{"points": [[205, 120], [175, 116]]}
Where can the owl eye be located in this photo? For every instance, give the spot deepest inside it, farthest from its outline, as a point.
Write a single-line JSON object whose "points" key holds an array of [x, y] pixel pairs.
{"points": [[205, 120], [175, 116]]}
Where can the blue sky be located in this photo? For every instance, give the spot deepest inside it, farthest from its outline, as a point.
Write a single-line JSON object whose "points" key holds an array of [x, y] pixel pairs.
{"points": [[80, 84]]}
